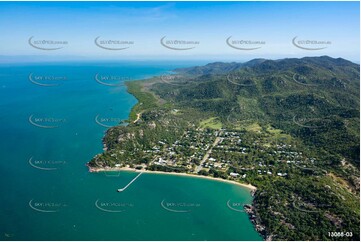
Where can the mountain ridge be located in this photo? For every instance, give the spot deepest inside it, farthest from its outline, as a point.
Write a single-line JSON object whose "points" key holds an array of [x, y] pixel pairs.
{"points": [[289, 127]]}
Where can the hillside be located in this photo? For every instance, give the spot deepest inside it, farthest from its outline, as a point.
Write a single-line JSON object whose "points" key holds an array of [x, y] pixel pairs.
{"points": [[290, 127], [316, 99]]}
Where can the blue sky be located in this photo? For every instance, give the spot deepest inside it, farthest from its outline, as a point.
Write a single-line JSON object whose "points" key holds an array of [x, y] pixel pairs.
{"points": [[209, 23]]}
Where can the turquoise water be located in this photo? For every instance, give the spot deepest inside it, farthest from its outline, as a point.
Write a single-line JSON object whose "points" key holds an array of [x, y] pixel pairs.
{"points": [[48, 133]]}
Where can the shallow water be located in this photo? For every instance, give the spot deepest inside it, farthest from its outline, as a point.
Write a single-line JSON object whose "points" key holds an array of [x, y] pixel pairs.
{"points": [[48, 133]]}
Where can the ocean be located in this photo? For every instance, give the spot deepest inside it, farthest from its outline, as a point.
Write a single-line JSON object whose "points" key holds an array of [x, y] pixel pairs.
{"points": [[53, 117]]}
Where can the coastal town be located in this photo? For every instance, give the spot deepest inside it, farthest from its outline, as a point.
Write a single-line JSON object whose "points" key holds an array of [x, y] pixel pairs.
{"points": [[290, 161], [238, 156], [228, 154]]}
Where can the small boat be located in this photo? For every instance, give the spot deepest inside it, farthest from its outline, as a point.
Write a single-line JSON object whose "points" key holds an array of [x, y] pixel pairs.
{"points": [[120, 189]]}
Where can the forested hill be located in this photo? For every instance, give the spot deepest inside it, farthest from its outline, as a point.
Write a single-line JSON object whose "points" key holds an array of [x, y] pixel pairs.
{"points": [[290, 127], [222, 68], [312, 98]]}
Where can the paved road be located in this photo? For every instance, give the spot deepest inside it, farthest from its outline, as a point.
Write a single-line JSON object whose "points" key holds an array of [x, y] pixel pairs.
{"points": [[217, 140]]}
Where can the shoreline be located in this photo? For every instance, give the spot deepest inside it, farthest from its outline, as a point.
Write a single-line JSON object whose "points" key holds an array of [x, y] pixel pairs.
{"points": [[248, 186]]}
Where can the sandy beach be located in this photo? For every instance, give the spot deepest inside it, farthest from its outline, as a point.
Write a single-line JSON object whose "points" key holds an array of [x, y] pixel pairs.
{"points": [[248, 186]]}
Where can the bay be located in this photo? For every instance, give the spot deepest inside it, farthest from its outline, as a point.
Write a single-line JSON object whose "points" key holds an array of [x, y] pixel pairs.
{"points": [[53, 117]]}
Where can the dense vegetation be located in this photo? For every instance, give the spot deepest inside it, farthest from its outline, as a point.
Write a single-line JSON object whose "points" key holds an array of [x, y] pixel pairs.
{"points": [[318, 92], [290, 126]]}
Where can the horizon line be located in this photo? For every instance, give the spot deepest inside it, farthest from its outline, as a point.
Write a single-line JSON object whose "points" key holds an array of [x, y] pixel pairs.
{"points": [[76, 58]]}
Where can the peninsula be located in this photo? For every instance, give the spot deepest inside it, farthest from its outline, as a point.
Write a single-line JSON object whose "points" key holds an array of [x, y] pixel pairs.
{"points": [[288, 127]]}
